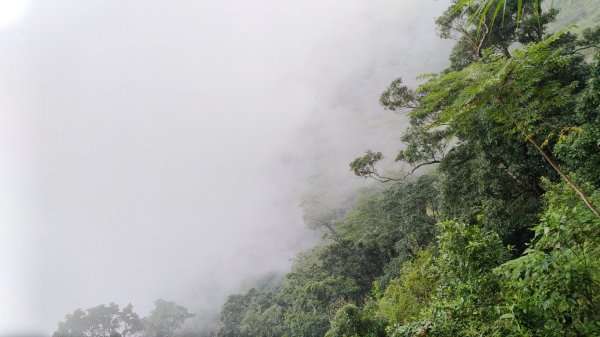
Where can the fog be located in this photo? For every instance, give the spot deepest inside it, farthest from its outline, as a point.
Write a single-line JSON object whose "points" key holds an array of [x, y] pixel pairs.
{"points": [[161, 149]]}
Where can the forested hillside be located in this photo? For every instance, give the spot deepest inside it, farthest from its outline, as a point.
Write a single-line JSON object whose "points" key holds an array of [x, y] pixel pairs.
{"points": [[501, 236], [493, 231]]}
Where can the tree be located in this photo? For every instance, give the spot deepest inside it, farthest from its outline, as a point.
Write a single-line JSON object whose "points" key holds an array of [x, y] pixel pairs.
{"points": [[257, 312], [165, 319], [480, 10], [358, 262], [312, 294], [398, 221], [352, 321], [101, 321], [518, 95], [427, 145], [232, 314], [511, 119], [260, 322], [131, 323], [476, 29]]}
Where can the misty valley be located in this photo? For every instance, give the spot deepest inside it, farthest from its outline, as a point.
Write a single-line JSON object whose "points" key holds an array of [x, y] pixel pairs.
{"points": [[467, 204]]}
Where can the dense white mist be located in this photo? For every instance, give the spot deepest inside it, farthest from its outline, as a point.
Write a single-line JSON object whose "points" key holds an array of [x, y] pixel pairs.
{"points": [[153, 148]]}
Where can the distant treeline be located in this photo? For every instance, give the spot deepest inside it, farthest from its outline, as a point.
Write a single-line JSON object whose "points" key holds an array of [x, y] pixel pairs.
{"points": [[165, 320]]}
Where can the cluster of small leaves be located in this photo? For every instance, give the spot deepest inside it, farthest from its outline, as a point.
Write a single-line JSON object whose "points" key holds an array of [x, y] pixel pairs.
{"points": [[397, 97], [365, 166]]}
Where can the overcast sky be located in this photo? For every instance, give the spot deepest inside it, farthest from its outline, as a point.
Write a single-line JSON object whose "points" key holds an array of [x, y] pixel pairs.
{"points": [[154, 148]]}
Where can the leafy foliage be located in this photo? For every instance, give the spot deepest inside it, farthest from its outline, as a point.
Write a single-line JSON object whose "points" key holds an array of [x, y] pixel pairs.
{"points": [[365, 166], [399, 220], [476, 26], [109, 321], [258, 312], [406, 296], [464, 302], [101, 321], [351, 321], [554, 289]]}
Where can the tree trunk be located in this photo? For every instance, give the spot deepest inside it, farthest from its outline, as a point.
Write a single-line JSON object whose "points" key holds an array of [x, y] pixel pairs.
{"points": [[571, 183]]}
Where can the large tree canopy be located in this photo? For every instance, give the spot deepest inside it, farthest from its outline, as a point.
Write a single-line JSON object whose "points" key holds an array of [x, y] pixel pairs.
{"points": [[101, 321], [109, 321]]}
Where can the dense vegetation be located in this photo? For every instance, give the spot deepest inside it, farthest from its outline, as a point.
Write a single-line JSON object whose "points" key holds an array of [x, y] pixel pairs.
{"points": [[501, 236]]}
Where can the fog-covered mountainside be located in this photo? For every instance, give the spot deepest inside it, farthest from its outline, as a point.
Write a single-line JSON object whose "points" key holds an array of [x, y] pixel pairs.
{"points": [[486, 224], [499, 236]]}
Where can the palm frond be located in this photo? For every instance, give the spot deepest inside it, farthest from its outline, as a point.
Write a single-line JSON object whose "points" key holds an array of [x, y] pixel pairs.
{"points": [[484, 6]]}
